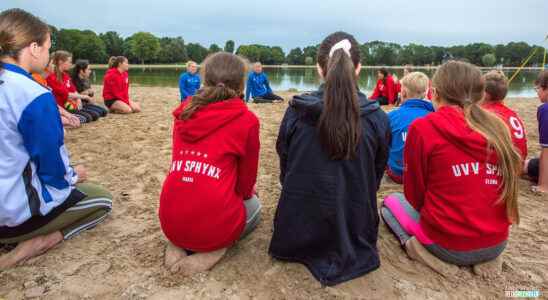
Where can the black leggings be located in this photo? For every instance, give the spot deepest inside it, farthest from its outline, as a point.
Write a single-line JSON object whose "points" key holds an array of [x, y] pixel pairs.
{"points": [[267, 98], [382, 100], [533, 169], [101, 111]]}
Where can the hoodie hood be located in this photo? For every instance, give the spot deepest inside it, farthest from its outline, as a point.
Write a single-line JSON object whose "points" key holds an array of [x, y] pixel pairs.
{"points": [[419, 103], [309, 106], [207, 119], [450, 123]]}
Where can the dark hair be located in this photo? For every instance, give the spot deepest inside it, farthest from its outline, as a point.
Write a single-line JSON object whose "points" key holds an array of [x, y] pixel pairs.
{"points": [[542, 80], [115, 61], [79, 65], [339, 124], [19, 29], [384, 72], [224, 78], [496, 85]]}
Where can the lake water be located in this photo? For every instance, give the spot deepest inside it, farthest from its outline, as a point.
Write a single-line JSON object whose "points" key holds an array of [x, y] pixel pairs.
{"points": [[301, 79]]}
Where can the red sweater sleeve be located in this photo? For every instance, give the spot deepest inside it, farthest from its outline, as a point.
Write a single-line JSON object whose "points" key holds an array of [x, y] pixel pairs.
{"points": [[58, 89], [376, 92], [415, 170], [390, 90], [249, 163]]}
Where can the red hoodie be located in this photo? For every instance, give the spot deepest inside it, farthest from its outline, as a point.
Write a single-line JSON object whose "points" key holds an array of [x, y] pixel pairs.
{"points": [[514, 123], [387, 90], [451, 178], [116, 86], [61, 90], [214, 168]]}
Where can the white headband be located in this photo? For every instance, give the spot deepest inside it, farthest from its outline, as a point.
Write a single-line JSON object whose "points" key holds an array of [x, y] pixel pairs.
{"points": [[344, 44]]}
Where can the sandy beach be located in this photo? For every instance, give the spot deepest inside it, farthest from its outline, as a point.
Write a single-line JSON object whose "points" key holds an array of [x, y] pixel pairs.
{"points": [[122, 258]]}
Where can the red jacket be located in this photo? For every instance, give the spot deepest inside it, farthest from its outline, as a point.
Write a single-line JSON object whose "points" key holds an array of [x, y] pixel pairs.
{"points": [[451, 178], [214, 168], [387, 90], [514, 123], [116, 86], [61, 90]]}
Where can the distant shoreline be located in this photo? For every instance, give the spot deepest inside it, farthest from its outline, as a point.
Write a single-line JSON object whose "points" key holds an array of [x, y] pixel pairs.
{"points": [[181, 66]]}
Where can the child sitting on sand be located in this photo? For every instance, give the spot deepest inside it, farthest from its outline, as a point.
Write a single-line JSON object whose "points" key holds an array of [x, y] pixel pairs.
{"points": [[189, 82], [385, 90], [116, 87], [80, 78], [496, 87], [460, 179], [413, 106], [207, 201], [333, 146], [537, 168], [258, 87], [64, 90]]}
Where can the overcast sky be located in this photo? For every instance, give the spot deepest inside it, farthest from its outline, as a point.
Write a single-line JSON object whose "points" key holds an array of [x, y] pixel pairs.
{"points": [[292, 23]]}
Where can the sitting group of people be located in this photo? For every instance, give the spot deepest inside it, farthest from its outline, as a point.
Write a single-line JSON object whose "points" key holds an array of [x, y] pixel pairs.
{"points": [[457, 161], [257, 86], [71, 87]]}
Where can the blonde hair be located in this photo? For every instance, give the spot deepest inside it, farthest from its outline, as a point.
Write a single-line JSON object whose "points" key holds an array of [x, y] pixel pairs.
{"points": [[57, 58], [496, 85], [19, 29], [458, 83], [416, 84]]}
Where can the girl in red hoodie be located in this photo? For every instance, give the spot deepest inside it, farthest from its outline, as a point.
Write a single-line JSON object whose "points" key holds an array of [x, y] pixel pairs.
{"points": [[460, 178], [385, 91], [207, 201], [116, 87]]}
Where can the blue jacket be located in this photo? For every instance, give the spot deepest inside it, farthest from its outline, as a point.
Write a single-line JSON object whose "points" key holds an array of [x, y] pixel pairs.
{"points": [[400, 119], [188, 84], [257, 85], [37, 182], [327, 214]]}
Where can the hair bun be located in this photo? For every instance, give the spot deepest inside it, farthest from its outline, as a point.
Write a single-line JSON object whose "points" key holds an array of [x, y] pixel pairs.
{"points": [[221, 85]]}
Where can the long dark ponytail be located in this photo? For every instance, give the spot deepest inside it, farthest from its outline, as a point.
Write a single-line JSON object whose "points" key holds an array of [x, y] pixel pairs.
{"points": [[339, 124]]}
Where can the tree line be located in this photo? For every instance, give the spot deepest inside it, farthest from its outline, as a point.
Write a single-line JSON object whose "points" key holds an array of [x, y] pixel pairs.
{"points": [[144, 47]]}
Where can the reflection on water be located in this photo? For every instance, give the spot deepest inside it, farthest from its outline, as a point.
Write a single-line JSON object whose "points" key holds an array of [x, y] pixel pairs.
{"points": [[304, 79]]}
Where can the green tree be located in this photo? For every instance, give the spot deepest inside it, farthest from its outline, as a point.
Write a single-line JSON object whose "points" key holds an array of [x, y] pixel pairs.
{"points": [[90, 47], [172, 50], [295, 57], [312, 52], [196, 52], [308, 61], [489, 60], [54, 32], [114, 43], [229, 46], [144, 46], [214, 48], [277, 55], [251, 52]]}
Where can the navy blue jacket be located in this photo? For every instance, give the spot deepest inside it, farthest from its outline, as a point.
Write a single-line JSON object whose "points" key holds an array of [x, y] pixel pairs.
{"points": [[257, 85], [400, 119], [327, 215]]}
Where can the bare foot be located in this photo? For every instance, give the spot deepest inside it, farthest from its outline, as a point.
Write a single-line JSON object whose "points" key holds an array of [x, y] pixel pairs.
{"points": [[29, 249], [198, 262], [173, 254], [416, 251]]}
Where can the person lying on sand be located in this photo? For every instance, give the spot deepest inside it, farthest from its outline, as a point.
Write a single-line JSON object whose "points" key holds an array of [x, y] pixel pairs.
{"points": [[43, 198], [208, 199], [460, 199]]}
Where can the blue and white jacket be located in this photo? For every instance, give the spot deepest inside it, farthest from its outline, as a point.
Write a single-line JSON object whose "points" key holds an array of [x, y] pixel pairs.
{"points": [[257, 85], [188, 84], [35, 174]]}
